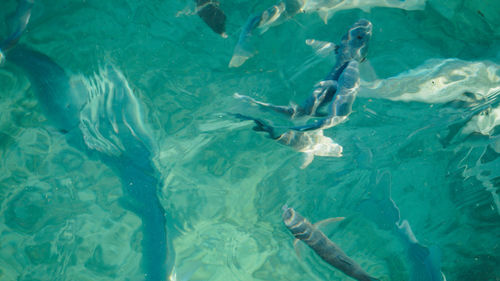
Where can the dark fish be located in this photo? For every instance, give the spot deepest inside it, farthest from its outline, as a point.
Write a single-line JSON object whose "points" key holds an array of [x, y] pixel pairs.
{"points": [[273, 15], [310, 143], [425, 262], [103, 118], [302, 229], [17, 23], [338, 90], [211, 13]]}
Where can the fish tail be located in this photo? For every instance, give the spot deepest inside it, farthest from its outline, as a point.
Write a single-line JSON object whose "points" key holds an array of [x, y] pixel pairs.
{"points": [[260, 126]]}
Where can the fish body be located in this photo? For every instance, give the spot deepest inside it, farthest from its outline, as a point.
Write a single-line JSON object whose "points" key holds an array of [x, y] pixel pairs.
{"points": [[339, 88], [260, 23], [330, 252], [211, 13], [326, 8]]}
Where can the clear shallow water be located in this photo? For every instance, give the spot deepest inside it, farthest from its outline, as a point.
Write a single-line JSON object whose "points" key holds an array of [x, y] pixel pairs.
{"points": [[224, 184]]}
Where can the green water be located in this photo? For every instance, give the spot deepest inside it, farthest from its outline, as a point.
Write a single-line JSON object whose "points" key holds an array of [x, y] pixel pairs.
{"points": [[224, 184]]}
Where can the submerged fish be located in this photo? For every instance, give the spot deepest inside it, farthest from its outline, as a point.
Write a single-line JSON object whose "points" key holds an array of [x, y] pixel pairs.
{"points": [[103, 118], [438, 81], [273, 15], [302, 229], [285, 10], [313, 143], [326, 8], [17, 23], [337, 90], [211, 13], [425, 263]]}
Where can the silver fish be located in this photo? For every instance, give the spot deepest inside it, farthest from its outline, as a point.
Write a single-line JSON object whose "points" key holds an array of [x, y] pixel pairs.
{"points": [[302, 229]]}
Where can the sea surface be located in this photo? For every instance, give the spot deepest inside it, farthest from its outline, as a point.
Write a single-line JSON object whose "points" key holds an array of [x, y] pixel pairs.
{"points": [[427, 114]]}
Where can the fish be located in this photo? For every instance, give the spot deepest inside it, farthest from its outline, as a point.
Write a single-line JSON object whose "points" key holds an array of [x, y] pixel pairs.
{"points": [[330, 252], [109, 126], [211, 13], [260, 23], [438, 81], [285, 10], [17, 23], [425, 262], [311, 144], [326, 8], [102, 117], [337, 90]]}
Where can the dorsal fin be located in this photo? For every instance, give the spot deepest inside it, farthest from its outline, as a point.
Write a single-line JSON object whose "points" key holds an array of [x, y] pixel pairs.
{"points": [[325, 222]]}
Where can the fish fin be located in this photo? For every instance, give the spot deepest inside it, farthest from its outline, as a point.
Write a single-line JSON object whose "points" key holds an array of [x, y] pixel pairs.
{"points": [[245, 48], [238, 60], [425, 263], [405, 230], [298, 247], [263, 30], [367, 71], [260, 125], [322, 48], [325, 222], [365, 8], [308, 158], [324, 14], [418, 253]]}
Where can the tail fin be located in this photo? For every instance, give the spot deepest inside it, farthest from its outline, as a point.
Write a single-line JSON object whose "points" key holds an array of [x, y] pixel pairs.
{"points": [[260, 126], [425, 263], [244, 48]]}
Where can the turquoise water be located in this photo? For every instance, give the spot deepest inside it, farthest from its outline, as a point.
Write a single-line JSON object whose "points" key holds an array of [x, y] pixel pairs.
{"points": [[223, 185]]}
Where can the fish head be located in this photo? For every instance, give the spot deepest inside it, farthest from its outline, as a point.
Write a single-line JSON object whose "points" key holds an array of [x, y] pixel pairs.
{"points": [[289, 217], [270, 16], [357, 38]]}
